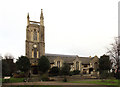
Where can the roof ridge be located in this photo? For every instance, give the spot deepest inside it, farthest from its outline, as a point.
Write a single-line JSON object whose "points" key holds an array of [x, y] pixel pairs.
{"points": [[87, 57], [59, 54]]}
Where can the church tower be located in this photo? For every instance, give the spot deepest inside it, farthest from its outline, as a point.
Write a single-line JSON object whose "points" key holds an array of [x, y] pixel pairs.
{"points": [[35, 40]]}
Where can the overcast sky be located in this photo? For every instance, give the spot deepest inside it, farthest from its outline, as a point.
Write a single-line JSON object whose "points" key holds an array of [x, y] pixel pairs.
{"points": [[72, 27]]}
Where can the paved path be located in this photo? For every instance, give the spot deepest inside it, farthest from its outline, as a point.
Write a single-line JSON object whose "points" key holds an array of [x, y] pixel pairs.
{"points": [[55, 83]]}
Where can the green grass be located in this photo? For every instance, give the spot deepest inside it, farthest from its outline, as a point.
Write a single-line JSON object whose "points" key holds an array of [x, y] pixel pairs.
{"points": [[12, 80], [100, 82], [0, 80], [34, 86], [111, 82]]}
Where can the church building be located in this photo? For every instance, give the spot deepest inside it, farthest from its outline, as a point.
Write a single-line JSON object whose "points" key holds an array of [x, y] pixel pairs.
{"points": [[35, 48]]}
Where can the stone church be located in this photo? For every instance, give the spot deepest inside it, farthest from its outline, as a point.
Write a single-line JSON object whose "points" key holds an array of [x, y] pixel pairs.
{"points": [[35, 48]]}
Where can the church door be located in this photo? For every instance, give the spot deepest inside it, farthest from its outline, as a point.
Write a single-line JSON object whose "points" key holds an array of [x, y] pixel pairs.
{"points": [[35, 70]]}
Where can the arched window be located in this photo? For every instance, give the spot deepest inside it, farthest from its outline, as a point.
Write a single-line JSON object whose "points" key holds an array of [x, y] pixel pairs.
{"points": [[95, 65], [35, 35], [77, 65], [35, 52], [58, 64], [32, 53]]}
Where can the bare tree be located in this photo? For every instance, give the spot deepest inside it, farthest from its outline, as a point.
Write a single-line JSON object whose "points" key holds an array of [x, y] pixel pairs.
{"points": [[114, 51]]}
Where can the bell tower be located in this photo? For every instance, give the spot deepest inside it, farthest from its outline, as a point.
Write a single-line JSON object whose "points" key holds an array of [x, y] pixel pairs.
{"points": [[35, 41]]}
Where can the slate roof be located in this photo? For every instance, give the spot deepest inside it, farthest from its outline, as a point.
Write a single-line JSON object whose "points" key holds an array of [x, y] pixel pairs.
{"points": [[61, 55], [85, 60], [68, 58]]}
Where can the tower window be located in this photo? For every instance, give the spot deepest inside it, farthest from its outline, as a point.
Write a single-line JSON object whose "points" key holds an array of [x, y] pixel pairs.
{"points": [[35, 52], [35, 35]]}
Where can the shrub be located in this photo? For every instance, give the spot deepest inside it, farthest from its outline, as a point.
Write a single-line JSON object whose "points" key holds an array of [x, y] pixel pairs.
{"points": [[76, 72], [104, 74], [19, 75], [54, 71], [44, 77], [117, 75], [111, 75], [65, 79], [71, 73]]}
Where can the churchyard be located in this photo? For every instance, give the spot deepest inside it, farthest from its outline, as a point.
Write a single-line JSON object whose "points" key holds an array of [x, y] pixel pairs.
{"points": [[94, 82], [54, 77]]}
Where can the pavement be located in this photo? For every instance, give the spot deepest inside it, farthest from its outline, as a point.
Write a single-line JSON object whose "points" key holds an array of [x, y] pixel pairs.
{"points": [[64, 84]]}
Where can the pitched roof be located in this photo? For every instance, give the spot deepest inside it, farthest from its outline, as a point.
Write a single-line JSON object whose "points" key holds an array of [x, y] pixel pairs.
{"points": [[66, 58], [61, 55], [85, 60]]}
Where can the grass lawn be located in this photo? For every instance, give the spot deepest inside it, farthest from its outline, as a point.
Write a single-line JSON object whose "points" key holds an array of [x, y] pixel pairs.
{"points": [[104, 82], [34, 86], [110, 82], [12, 80]]}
